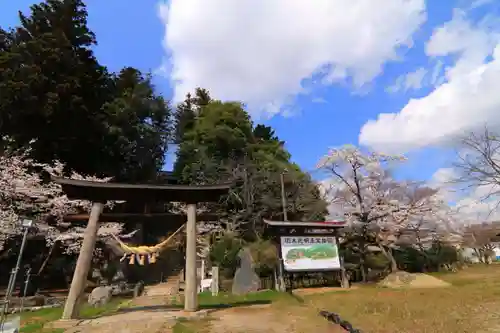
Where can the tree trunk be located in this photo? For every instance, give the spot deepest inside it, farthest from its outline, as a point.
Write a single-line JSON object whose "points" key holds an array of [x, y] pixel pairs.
{"points": [[394, 264], [479, 255], [364, 276], [362, 260], [388, 254]]}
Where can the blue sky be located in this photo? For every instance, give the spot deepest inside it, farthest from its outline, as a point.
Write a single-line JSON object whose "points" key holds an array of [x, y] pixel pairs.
{"points": [[316, 82]]}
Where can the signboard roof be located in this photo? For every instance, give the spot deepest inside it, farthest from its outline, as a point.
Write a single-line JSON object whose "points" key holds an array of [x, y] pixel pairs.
{"points": [[318, 224]]}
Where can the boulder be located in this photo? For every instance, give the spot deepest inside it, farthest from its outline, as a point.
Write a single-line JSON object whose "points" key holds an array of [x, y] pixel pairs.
{"points": [[100, 296]]}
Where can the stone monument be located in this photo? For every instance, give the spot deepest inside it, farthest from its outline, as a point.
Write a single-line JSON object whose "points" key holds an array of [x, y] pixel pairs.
{"points": [[245, 279]]}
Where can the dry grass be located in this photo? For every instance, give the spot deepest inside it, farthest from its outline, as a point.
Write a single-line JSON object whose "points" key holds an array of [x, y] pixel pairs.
{"points": [[471, 304]]}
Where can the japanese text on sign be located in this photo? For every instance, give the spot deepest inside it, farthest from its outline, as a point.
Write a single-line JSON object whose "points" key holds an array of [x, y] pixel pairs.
{"points": [[307, 240]]}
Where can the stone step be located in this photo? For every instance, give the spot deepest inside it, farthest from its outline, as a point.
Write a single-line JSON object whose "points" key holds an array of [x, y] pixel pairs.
{"points": [[168, 288]]}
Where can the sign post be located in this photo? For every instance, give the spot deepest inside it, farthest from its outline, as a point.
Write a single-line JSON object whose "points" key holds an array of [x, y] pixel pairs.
{"points": [[308, 247]]}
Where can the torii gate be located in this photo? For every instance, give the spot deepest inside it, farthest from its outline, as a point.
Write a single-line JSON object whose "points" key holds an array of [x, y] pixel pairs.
{"points": [[99, 193]]}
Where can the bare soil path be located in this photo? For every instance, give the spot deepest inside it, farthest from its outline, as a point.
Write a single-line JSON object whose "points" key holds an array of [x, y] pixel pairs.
{"points": [[269, 319], [149, 313]]}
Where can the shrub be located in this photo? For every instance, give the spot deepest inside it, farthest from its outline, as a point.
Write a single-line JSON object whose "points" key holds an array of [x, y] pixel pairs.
{"points": [[224, 253], [265, 256]]}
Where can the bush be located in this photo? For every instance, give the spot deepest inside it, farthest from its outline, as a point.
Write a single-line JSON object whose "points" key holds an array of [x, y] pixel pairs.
{"points": [[265, 257], [411, 260], [377, 261], [224, 253], [433, 259]]}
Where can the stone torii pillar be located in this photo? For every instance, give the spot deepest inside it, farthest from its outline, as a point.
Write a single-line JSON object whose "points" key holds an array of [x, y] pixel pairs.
{"points": [[191, 290], [83, 264]]}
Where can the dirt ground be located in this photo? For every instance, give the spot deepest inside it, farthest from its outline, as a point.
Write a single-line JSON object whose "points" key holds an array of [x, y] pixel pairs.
{"points": [[133, 322], [262, 318], [269, 318], [314, 291], [150, 314]]}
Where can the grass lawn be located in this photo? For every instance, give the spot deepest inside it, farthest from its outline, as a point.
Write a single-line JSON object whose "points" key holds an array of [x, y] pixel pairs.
{"points": [[227, 300], [206, 300], [34, 322]]}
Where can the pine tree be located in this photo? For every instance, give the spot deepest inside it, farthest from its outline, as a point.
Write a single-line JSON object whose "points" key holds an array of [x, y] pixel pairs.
{"points": [[184, 118]]}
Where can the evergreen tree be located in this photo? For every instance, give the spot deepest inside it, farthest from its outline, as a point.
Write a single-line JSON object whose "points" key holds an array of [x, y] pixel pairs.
{"points": [[224, 146], [184, 118], [139, 126], [55, 91]]}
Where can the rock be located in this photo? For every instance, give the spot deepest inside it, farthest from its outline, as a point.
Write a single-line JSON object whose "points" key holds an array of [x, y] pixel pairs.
{"points": [[100, 296], [119, 276], [138, 289], [403, 279], [245, 279], [120, 288]]}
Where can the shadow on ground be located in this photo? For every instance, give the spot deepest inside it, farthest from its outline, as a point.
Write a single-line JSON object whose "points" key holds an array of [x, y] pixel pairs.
{"points": [[180, 307]]}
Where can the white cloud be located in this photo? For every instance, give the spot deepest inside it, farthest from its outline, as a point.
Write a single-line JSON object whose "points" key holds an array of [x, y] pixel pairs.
{"points": [[437, 78], [259, 51], [468, 99], [420, 78], [480, 3], [410, 81], [472, 203], [474, 207], [319, 100], [443, 177]]}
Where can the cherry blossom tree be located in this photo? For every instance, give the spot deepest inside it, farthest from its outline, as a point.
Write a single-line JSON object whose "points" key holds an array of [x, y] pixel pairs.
{"points": [[25, 192], [421, 219], [380, 210], [482, 238]]}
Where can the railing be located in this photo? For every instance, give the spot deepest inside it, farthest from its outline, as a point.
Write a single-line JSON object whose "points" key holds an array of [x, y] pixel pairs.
{"points": [[335, 318]]}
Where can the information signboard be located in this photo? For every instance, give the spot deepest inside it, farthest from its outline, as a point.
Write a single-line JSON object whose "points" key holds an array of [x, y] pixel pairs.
{"points": [[309, 253]]}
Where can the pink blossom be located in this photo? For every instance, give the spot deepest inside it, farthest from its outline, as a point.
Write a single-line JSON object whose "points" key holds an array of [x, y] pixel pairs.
{"points": [[24, 193]]}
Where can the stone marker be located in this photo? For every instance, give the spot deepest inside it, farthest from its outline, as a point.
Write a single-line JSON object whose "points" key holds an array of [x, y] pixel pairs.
{"points": [[139, 289], [100, 296], [245, 279], [215, 281]]}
